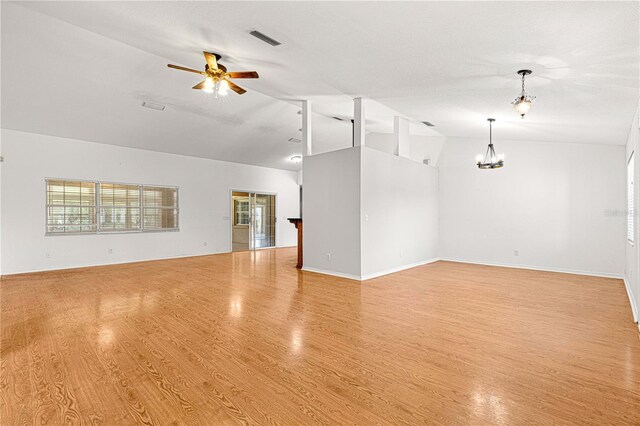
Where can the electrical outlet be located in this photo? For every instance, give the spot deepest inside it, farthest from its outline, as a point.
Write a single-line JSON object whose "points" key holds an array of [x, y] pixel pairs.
{"points": [[516, 253], [328, 257], [205, 243], [401, 253], [47, 255], [366, 218], [110, 251]]}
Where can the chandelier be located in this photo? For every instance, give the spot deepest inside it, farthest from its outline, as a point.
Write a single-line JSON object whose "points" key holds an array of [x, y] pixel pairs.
{"points": [[490, 160], [523, 102]]}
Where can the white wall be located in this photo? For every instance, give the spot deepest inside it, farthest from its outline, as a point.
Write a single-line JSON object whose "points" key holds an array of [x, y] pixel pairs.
{"points": [[373, 212], [631, 272], [399, 213], [558, 204], [331, 212], [421, 146], [205, 212]]}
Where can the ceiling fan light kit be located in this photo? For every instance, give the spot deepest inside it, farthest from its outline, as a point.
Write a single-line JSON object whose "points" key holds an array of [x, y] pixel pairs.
{"points": [[490, 160], [216, 78], [523, 102]]}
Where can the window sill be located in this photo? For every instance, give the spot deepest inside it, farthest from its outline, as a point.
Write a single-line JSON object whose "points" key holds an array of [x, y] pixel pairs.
{"points": [[146, 231]]}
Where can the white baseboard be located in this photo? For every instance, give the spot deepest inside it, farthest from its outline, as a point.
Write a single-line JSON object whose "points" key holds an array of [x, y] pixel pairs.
{"points": [[632, 301], [537, 268], [333, 273], [369, 276], [398, 269]]}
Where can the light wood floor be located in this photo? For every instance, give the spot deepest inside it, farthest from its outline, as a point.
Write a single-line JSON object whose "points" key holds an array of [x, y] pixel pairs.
{"points": [[246, 338]]}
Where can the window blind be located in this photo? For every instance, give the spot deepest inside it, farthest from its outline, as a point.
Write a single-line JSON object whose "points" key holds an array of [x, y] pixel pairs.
{"points": [[119, 207], [160, 207], [71, 206], [74, 206]]}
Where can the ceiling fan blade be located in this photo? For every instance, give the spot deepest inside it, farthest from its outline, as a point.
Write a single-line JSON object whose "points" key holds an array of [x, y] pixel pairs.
{"points": [[200, 85], [239, 90], [243, 74], [178, 67], [211, 60]]}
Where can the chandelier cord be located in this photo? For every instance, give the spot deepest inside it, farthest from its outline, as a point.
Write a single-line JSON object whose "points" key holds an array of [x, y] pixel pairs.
{"points": [[523, 83], [490, 133]]}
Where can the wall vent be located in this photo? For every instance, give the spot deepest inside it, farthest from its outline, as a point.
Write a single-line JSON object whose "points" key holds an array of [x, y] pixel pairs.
{"points": [[426, 123], [295, 140], [152, 105], [265, 38]]}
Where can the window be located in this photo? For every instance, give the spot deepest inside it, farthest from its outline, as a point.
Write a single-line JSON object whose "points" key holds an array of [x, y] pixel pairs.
{"points": [[160, 207], [90, 207], [119, 207], [71, 206], [630, 198], [241, 212]]}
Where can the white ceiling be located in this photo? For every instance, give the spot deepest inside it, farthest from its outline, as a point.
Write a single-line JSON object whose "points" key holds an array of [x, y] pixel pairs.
{"points": [[450, 63]]}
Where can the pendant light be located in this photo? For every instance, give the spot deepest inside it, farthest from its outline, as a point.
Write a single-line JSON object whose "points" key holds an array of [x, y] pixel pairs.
{"points": [[490, 159], [523, 102]]}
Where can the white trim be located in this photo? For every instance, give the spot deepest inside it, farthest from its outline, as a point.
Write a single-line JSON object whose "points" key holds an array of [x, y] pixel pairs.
{"points": [[632, 301], [537, 268], [369, 276], [399, 268], [333, 273]]}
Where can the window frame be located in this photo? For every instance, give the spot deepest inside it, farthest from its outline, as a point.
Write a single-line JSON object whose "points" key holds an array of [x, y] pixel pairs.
{"points": [[176, 208], [100, 231], [246, 212], [631, 182], [47, 205]]}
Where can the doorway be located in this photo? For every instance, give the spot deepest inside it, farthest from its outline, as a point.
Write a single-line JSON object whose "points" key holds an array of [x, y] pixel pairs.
{"points": [[253, 220]]}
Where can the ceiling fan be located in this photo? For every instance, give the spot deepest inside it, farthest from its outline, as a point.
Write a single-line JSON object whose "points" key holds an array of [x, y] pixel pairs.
{"points": [[217, 79]]}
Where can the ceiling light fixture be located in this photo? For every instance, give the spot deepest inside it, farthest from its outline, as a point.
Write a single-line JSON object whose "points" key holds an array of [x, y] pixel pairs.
{"points": [[523, 102], [216, 78], [490, 159], [296, 159]]}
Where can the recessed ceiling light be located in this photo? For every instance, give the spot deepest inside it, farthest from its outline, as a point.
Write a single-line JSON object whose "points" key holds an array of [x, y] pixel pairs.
{"points": [[265, 38], [295, 140], [296, 159], [152, 105]]}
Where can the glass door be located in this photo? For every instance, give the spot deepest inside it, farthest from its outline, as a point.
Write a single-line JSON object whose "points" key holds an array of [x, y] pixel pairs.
{"points": [[262, 229], [253, 224]]}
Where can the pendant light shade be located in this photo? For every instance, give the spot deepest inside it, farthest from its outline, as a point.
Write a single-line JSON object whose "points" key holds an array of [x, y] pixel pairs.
{"points": [[490, 160], [523, 102]]}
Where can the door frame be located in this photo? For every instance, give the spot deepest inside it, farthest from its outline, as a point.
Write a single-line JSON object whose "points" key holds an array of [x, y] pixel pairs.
{"points": [[275, 214]]}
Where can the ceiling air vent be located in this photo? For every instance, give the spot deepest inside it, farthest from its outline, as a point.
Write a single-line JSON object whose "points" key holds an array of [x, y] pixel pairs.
{"points": [[152, 105], [265, 38], [426, 123], [295, 140]]}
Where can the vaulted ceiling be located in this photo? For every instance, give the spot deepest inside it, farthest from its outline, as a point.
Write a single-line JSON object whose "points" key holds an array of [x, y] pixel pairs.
{"points": [[82, 69]]}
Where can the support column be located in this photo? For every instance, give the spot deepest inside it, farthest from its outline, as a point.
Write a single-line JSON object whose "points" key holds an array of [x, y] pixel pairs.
{"points": [[306, 129], [358, 124], [401, 137]]}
